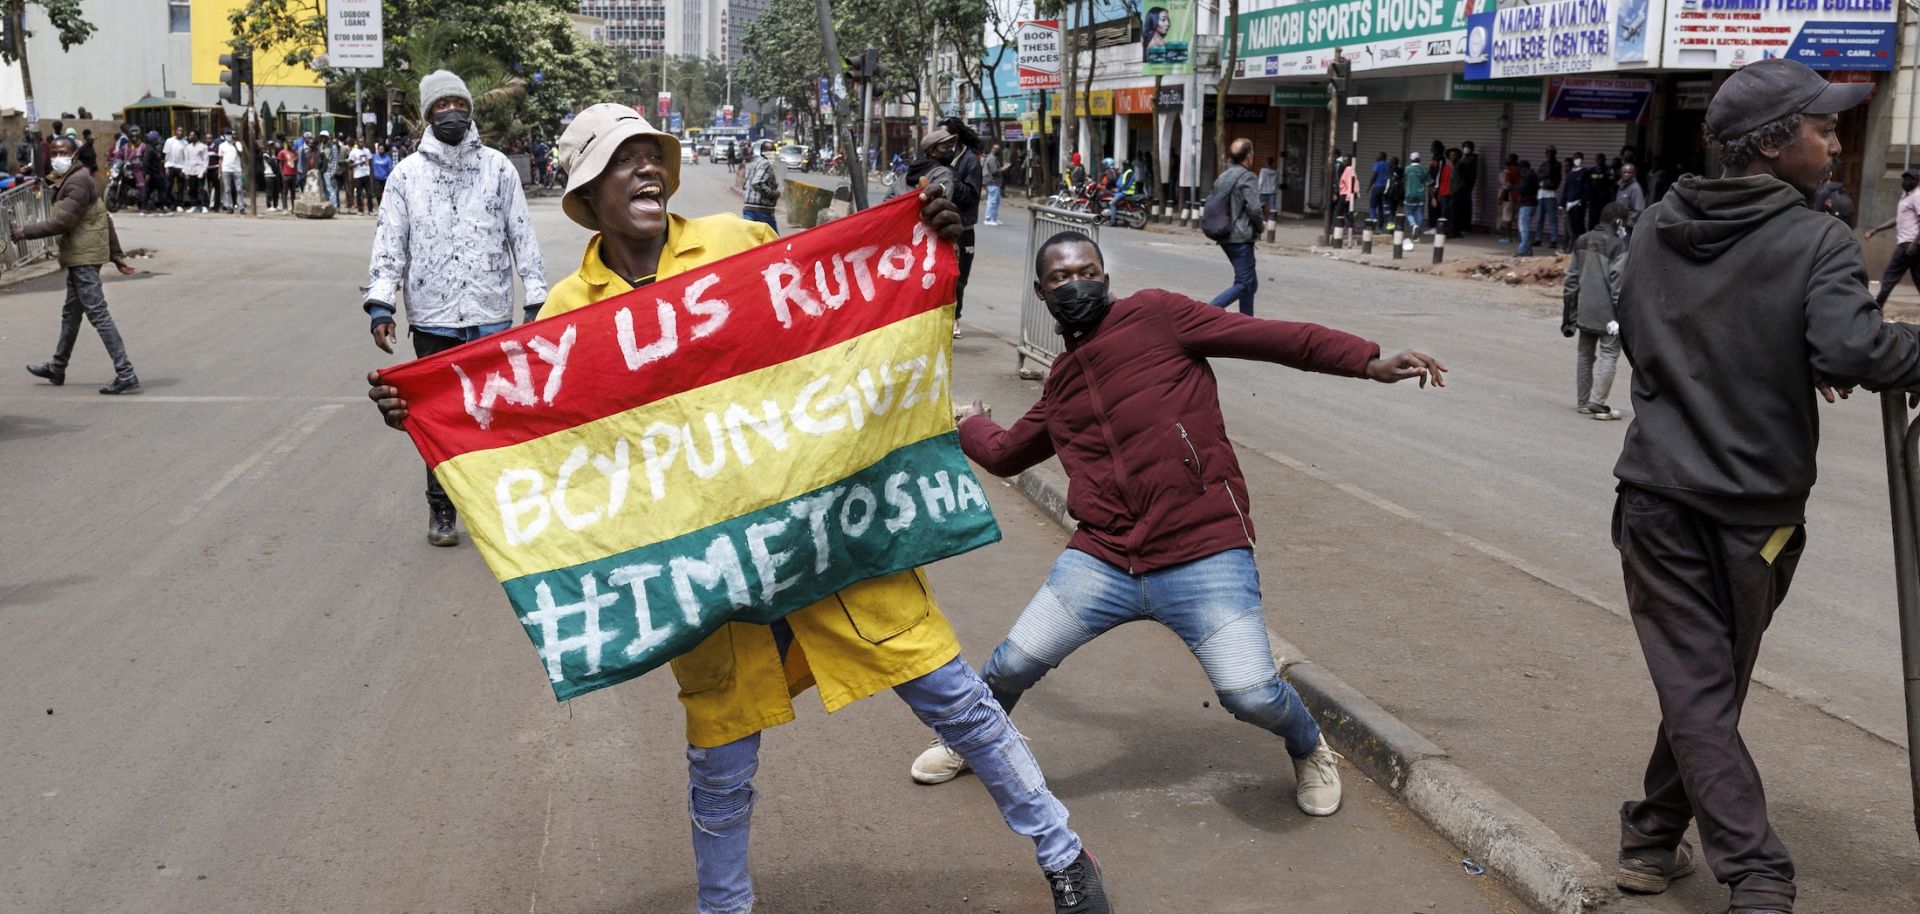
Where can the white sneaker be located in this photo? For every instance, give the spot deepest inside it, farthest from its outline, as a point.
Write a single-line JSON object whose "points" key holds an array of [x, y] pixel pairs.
{"points": [[1316, 781], [938, 764]]}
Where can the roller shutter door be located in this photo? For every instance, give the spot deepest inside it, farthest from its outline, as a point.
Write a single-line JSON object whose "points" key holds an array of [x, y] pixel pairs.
{"points": [[1531, 136], [1454, 123], [1379, 132]]}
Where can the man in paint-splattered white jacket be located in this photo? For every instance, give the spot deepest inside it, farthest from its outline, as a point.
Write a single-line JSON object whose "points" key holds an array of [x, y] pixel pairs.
{"points": [[453, 230]]}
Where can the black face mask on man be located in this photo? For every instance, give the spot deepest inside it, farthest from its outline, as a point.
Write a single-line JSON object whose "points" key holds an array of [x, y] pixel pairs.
{"points": [[450, 126], [1079, 305]]}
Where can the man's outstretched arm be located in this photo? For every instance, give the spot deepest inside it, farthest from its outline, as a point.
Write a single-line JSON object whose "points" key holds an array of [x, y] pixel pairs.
{"points": [[1002, 451], [1209, 332]]}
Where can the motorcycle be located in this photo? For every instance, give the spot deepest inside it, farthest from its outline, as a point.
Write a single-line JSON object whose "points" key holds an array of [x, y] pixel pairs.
{"points": [[116, 186], [1130, 211]]}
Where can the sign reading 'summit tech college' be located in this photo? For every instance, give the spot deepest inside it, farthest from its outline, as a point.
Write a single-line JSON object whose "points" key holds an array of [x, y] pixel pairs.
{"points": [[1823, 34]]}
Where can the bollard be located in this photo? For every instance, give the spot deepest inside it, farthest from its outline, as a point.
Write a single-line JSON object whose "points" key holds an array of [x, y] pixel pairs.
{"points": [[1399, 239], [1366, 238], [1439, 239], [1340, 232], [1156, 214], [1186, 215], [1272, 225]]}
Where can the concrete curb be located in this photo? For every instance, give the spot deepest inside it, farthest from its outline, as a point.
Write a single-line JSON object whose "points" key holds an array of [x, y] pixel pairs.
{"points": [[1532, 859]]}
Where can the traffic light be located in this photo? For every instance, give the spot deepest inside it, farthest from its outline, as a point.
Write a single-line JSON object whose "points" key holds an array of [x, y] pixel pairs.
{"points": [[238, 73]]}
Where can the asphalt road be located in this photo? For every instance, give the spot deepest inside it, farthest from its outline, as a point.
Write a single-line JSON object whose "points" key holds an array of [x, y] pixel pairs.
{"points": [[238, 680]]}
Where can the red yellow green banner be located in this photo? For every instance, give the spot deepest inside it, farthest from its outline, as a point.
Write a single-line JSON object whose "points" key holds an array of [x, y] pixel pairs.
{"points": [[734, 443]]}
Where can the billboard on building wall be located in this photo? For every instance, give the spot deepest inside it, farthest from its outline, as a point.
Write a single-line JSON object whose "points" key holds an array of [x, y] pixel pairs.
{"points": [[209, 33], [1166, 37], [1039, 62], [1823, 34], [1299, 39], [1560, 37]]}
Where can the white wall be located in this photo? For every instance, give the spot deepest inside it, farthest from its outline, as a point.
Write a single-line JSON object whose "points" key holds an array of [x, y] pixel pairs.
{"points": [[130, 55]]}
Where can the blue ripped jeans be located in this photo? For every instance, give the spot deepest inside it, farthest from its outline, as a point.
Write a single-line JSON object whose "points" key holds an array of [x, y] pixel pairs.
{"points": [[957, 705], [1213, 604]]}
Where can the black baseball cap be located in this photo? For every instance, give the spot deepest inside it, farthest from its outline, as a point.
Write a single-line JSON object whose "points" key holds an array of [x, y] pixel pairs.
{"points": [[1763, 92]]}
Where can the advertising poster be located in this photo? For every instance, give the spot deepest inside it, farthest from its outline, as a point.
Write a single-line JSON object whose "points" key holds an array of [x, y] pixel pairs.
{"points": [[1166, 37], [1580, 98], [1375, 35], [1823, 34], [1039, 61], [1557, 37], [354, 34]]}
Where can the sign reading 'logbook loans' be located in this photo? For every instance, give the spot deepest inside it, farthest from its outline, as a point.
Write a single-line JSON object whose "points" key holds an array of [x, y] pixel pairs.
{"points": [[733, 443]]}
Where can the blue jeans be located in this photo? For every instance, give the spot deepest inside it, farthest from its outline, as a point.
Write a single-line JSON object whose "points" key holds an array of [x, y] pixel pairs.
{"points": [[331, 188], [1246, 280], [1547, 221], [957, 705], [1377, 205], [1526, 229], [1213, 604], [764, 216], [1416, 217], [993, 203]]}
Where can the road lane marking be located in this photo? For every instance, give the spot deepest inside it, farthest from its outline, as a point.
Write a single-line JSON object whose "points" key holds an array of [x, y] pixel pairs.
{"points": [[276, 447]]}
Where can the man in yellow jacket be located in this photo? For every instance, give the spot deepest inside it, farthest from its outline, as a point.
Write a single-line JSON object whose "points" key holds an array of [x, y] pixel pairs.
{"points": [[881, 633]]}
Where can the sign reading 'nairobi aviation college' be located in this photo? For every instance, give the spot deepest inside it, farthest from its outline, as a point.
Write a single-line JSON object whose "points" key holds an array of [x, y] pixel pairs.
{"points": [[732, 443]]}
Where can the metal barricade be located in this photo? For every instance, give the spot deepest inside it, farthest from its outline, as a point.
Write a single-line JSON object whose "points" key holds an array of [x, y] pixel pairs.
{"points": [[1039, 340], [22, 205], [1903, 481]]}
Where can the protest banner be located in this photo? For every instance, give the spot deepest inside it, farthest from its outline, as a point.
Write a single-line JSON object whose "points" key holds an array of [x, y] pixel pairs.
{"points": [[729, 444]]}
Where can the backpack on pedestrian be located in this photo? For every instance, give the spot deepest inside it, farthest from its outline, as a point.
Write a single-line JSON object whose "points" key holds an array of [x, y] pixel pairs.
{"points": [[1217, 217]]}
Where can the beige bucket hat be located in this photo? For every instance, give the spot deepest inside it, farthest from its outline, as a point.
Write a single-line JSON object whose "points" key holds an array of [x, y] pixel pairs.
{"points": [[590, 141]]}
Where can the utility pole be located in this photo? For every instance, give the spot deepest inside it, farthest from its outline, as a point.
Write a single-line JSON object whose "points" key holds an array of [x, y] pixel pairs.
{"points": [[1337, 72], [856, 177]]}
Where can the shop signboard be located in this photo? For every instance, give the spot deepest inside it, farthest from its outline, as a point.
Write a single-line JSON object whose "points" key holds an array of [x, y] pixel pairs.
{"points": [[1525, 91], [1590, 99], [1133, 101], [1171, 98], [1166, 37], [1823, 34], [1559, 37], [1039, 60], [1300, 38], [1312, 96]]}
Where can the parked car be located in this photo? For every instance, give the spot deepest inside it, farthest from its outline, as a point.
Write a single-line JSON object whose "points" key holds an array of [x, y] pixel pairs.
{"points": [[793, 155]]}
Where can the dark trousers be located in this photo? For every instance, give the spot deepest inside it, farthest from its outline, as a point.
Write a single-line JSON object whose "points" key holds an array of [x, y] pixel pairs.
{"points": [[426, 344], [762, 216], [1246, 279], [1576, 223], [1462, 212], [176, 186], [965, 250], [1906, 260], [86, 299], [1702, 594]]}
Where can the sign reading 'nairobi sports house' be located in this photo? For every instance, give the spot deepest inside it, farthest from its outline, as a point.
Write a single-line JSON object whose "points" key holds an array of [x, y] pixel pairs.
{"points": [[733, 443]]}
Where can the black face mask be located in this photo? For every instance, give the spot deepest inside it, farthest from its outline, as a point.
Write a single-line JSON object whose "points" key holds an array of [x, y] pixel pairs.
{"points": [[1079, 305], [450, 127]]}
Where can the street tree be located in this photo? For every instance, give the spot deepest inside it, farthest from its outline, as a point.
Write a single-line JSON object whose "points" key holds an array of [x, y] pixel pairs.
{"points": [[1229, 54], [66, 19]]}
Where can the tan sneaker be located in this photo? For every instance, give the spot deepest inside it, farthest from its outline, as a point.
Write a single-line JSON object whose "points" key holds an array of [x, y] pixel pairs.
{"points": [[938, 764], [1317, 781]]}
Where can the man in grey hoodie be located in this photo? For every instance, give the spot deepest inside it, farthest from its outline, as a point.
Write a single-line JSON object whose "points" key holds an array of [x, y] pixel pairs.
{"points": [[1740, 303]]}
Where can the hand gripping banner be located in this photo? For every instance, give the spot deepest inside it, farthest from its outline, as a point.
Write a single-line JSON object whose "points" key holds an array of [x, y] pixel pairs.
{"points": [[730, 444]]}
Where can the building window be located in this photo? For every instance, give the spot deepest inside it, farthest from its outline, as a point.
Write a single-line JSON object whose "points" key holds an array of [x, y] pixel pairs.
{"points": [[179, 16]]}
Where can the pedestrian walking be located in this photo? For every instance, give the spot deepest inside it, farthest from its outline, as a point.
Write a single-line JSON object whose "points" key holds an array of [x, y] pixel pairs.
{"points": [[1419, 185], [1573, 196], [1377, 189], [1466, 180], [87, 240], [994, 171], [1526, 201], [960, 152], [622, 173], [326, 156], [761, 193], [1546, 214], [1396, 194], [175, 152], [1160, 536], [453, 236], [1269, 186], [233, 173], [1510, 178], [1235, 197], [1629, 194], [1590, 299], [1739, 303], [360, 160], [1445, 190], [197, 159], [1906, 249], [1832, 198], [382, 169]]}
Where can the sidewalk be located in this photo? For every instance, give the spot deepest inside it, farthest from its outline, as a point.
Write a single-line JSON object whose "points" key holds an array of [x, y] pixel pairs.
{"points": [[1534, 698]]}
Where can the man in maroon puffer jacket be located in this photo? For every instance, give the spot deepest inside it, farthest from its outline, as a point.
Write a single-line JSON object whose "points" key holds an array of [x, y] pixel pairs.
{"points": [[1133, 411]]}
